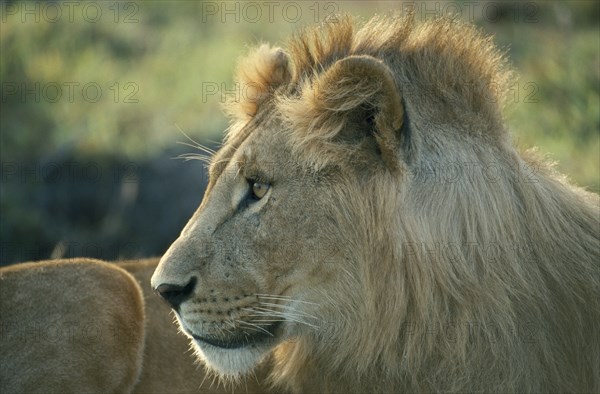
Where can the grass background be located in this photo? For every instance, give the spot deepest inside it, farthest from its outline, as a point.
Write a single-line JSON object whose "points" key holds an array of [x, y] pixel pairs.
{"points": [[94, 175]]}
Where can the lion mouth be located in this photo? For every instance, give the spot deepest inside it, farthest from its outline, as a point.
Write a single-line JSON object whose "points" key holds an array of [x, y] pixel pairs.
{"points": [[241, 340]]}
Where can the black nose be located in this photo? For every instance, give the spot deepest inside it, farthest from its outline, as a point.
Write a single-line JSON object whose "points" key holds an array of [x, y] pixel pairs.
{"points": [[176, 294]]}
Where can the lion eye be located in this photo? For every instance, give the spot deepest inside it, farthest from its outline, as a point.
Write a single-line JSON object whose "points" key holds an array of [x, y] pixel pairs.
{"points": [[259, 189]]}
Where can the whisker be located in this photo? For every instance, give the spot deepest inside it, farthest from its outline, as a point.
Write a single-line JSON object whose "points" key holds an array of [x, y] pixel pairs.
{"points": [[265, 312], [195, 143], [268, 321], [188, 144], [259, 327], [272, 295], [300, 321], [268, 314], [287, 317], [274, 318], [253, 309], [284, 298], [253, 329], [289, 309], [259, 308], [194, 156]]}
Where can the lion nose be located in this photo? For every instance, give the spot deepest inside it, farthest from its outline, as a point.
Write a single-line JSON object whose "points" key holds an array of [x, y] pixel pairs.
{"points": [[176, 294]]}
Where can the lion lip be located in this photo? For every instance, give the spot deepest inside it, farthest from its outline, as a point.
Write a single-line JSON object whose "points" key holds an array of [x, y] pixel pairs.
{"points": [[241, 340]]}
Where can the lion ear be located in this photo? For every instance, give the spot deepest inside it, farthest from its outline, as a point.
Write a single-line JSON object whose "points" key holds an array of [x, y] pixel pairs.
{"points": [[354, 99], [258, 75]]}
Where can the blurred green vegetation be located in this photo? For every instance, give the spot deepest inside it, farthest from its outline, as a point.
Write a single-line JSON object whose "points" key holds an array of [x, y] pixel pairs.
{"points": [[556, 99], [159, 54], [150, 61]]}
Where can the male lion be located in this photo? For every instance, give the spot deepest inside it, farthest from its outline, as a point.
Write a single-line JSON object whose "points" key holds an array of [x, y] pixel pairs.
{"points": [[333, 243]]}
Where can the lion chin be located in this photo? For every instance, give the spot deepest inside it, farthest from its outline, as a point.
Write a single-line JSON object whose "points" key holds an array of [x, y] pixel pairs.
{"points": [[231, 362], [231, 358]]}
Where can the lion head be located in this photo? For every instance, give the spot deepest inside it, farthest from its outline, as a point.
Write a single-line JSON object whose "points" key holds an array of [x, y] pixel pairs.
{"points": [[368, 225]]}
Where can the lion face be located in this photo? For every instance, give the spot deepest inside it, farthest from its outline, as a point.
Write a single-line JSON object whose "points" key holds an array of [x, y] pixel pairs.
{"points": [[275, 249], [255, 256]]}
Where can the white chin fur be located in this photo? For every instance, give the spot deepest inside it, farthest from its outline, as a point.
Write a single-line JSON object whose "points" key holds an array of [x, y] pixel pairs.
{"points": [[230, 362]]}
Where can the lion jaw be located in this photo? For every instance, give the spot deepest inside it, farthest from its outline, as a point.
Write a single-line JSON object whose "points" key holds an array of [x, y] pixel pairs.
{"points": [[229, 361]]}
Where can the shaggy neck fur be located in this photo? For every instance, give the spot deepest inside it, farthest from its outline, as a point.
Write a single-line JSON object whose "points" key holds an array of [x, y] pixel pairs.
{"points": [[467, 285]]}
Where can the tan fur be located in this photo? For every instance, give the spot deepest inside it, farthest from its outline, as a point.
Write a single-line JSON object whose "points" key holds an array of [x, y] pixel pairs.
{"points": [[69, 326], [390, 272], [257, 74], [79, 326]]}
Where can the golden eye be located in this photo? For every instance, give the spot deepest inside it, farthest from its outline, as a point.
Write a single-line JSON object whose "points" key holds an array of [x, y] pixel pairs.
{"points": [[259, 189]]}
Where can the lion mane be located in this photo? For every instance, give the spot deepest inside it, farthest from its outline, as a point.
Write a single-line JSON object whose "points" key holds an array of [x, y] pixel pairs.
{"points": [[483, 280]]}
